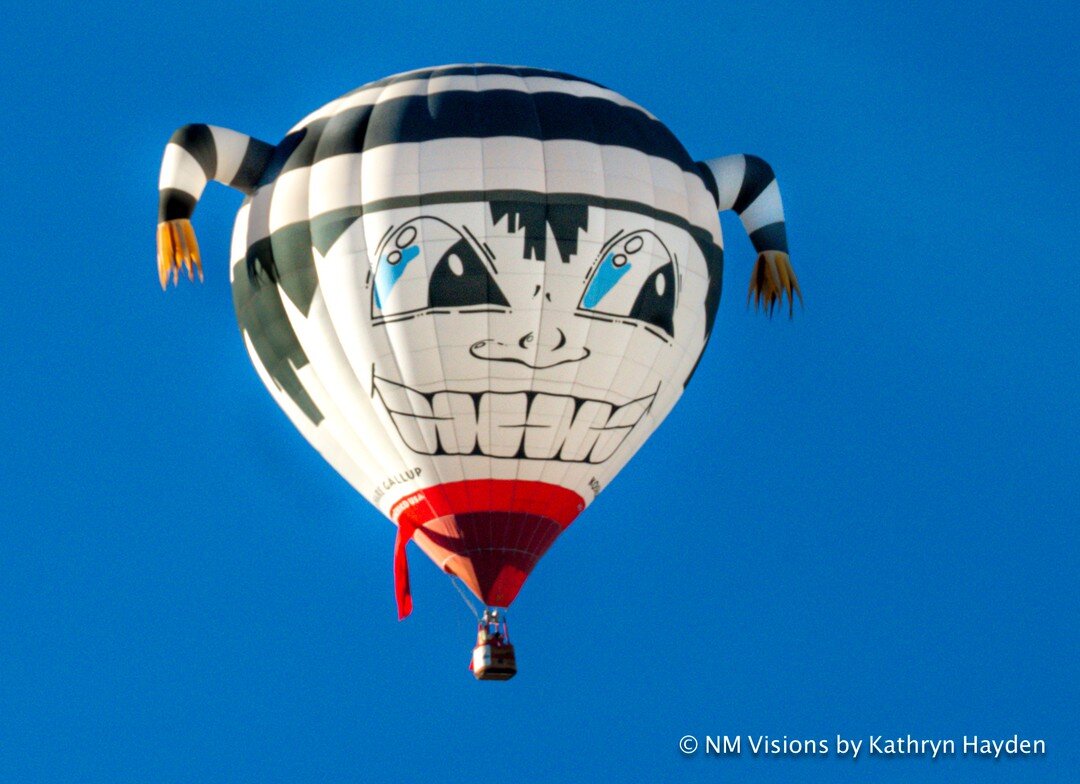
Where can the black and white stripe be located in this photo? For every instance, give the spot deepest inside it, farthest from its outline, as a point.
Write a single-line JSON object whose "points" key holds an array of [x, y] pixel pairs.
{"points": [[516, 114], [747, 185], [199, 153], [475, 78]]}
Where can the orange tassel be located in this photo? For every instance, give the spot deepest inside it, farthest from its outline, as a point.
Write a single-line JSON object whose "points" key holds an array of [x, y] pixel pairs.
{"points": [[177, 247], [772, 279]]}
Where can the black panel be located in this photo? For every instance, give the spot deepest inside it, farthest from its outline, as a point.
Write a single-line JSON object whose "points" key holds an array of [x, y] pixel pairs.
{"points": [[173, 204], [284, 151], [710, 181], [262, 317], [757, 177], [257, 157], [472, 115], [770, 237], [199, 141], [295, 264], [471, 284], [653, 308]]}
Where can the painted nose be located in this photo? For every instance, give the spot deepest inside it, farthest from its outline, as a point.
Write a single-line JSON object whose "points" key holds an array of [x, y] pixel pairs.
{"points": [[555, 351]]}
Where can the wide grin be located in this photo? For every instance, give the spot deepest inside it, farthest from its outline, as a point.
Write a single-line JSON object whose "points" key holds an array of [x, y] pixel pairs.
{"points": [[523, 425]]}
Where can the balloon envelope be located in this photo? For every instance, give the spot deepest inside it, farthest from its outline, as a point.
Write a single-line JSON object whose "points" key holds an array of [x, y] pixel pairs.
{"points": [[477, 290]]}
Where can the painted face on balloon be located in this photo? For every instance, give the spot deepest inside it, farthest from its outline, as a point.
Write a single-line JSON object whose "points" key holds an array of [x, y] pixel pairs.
{"points": [[532, 334]]}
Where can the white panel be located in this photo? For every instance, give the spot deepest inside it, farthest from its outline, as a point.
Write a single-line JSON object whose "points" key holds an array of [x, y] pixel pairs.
{"points": [[352, 423], [728, 173], [180, 170], [339, 178], [290, 200], [231, 148]]}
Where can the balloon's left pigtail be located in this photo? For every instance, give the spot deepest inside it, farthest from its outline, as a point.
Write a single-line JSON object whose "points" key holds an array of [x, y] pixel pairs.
{"points": [[747, 185], [195, 155]]}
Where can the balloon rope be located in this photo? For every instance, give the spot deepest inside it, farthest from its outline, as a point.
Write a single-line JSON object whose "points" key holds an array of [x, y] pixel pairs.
{"points": [[457, 584]]}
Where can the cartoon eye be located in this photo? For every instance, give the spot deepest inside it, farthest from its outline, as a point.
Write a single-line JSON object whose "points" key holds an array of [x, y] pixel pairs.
{"points": [[634, 278], [461, 279], [426, 263]]}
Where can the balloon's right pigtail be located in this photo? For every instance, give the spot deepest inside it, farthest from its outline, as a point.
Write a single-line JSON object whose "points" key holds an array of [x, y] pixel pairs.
{"points": [[747, 185], [195, 155]]}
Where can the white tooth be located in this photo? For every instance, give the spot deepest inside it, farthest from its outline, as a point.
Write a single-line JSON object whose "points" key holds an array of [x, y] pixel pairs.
{"points": [[455, 419], [583, 433], [402, 399], [411, 413], [549, 419], [418, 433], [631, 413], [607, 443], [502, 423]]}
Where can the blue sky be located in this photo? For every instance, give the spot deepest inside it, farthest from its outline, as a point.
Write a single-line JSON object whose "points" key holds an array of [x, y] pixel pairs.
{"points": [[860, 522]]}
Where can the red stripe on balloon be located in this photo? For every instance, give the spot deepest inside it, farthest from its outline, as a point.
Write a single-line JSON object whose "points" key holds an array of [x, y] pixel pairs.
{"points": [[504, 497], [488, 495]]}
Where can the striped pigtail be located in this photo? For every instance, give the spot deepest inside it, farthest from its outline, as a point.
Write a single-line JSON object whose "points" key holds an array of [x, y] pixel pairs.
{"points": [[195, 155], [747, 185]]}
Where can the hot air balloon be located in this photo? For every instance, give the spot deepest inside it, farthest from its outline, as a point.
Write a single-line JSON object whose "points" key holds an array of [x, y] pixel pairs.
{"points": [[476, 290]]}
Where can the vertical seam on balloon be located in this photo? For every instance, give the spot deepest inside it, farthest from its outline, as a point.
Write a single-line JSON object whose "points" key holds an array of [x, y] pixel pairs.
{"points": [[355, 447], [634, 436], [336, 426], [348, 407], [389, 340], [536, 337], [435, 461], [255, 318], [653, 227], [657, 412], [361, 436], [702, 316], [489, 459], [584, 465], [303, 425], [549, 259]]}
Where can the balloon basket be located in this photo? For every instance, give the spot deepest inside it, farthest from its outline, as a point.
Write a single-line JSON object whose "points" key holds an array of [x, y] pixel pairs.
{"points": [[493, 657]]}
